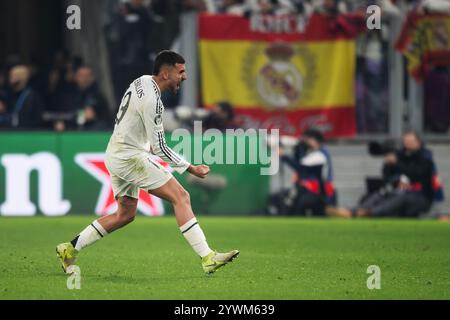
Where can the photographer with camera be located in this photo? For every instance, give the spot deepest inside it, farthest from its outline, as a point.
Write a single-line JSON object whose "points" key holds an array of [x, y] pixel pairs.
{"points": [[313, 189], [410, 183]]}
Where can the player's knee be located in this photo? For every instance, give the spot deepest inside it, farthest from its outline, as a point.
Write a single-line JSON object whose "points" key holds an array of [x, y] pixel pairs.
{"points": [[127, 210], [184, 197], [127, 206]]}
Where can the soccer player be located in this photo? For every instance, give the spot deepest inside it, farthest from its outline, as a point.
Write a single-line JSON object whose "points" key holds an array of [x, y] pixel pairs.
{"points": [[137, 133]]}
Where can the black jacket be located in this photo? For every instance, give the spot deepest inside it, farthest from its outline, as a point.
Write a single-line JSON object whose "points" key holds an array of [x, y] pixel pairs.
{"points": [[25, 109], [77, 99], [417, 166]]}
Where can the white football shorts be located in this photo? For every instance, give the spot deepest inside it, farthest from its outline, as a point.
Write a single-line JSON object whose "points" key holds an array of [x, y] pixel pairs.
{"points": [[139, 171]]}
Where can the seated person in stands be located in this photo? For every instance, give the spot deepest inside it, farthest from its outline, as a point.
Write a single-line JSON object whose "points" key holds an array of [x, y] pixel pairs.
{"points": [[85, 99], [314, 185], [411, 183], [24, 105]]}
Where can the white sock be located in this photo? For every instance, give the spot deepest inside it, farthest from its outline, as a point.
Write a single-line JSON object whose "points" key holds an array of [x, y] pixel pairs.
{"points": [[89, 235], [196, 238]]}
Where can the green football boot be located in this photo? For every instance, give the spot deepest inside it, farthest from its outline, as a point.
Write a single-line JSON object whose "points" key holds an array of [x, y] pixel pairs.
{"points": [[67, 254], [215, 260]]}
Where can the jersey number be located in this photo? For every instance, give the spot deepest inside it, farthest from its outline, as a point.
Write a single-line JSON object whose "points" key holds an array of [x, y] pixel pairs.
{"points": [[124, 107]]}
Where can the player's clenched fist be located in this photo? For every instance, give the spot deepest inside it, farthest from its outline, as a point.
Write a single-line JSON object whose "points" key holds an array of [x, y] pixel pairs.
{"points": [[199, 171]]}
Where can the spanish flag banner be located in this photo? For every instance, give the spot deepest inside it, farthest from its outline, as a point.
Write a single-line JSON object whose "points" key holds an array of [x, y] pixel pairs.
{"points": [[425, 42], [278, 74]]}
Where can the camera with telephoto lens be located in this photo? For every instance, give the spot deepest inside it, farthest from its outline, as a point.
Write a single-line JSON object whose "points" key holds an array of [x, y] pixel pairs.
{"points": [[376, 148]]}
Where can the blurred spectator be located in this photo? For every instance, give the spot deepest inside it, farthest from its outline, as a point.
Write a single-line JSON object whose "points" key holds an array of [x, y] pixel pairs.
{"points": [[198, 5], [60, 80], [56, 77], [3, 81], [4, 115], [330, 7], [85, 99], [38, 76], [435, 6], [437, 80], [276, 7], [303, 7], [372, 84], [437, 100], [340, 21], [233, 7], [135, 26], [411, 183], [166, 25], [24, 105], [433, 58], [131, 47], [221, 117], [246, 7], [389, 8], [313, 190]]}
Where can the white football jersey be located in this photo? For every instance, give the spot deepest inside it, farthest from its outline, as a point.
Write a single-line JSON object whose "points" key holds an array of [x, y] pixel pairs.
{"points": [[139, 126]]}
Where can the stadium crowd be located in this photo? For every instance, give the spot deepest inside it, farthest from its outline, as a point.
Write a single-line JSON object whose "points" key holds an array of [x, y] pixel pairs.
{"points": [[65, 95]]}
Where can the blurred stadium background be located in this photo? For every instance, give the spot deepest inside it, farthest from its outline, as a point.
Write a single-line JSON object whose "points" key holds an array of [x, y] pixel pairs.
{"points": [[60, 89], [307, 68]]}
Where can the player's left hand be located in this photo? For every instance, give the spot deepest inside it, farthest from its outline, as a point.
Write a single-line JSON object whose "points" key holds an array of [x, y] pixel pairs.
{"points": [[199, 171]]}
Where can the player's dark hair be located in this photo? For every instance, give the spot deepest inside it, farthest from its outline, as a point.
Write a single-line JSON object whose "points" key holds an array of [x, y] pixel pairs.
{"points": [[166, 58]]}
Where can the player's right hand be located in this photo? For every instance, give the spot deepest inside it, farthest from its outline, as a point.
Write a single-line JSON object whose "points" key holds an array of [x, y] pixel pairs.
{"points": [[199, 171]]}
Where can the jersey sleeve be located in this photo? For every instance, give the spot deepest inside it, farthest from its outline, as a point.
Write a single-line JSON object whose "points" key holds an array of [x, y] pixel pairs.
{"points": [[152, 117]]}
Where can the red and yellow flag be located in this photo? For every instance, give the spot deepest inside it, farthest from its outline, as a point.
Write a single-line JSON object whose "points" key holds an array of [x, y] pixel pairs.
{"points": [[425, 42], [279, 76]]}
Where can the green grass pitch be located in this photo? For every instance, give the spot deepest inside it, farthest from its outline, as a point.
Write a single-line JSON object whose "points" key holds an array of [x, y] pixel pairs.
{"points": [[281, 258]]}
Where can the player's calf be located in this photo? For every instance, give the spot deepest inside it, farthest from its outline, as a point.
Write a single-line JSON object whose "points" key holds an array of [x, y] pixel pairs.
{"points": [[117, 220], [125, 219], [125, 214]]}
